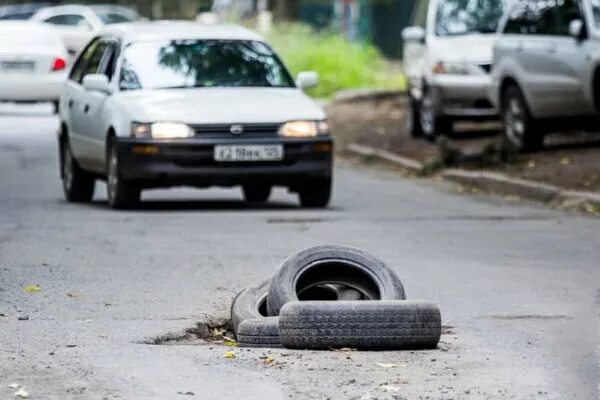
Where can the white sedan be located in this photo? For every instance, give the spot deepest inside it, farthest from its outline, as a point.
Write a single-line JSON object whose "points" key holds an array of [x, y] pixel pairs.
{"points": [[175, 103], [33, 62]]}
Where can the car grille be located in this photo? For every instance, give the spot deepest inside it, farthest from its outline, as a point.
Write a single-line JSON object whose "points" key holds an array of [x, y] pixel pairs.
{"points": [[224, 130]]}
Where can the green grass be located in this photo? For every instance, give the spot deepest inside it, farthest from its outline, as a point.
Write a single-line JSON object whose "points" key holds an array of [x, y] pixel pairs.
{"points": [[341, 64]]}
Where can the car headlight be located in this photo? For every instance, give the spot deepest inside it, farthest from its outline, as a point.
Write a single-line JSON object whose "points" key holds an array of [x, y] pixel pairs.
{"points": [[304, 129], [161, 130], [452, 68]]}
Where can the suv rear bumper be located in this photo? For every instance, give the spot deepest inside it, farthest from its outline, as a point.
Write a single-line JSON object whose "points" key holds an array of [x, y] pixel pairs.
{"points": [[191, 162], [462, 97]]}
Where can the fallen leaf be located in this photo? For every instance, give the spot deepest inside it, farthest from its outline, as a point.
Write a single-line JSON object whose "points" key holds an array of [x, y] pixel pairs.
{"points": [[217, 332], [531, 164], [33, 288], [565, 161], [227, 341], [386, 365], [268, 360], [229, 354], [14, 386], [23, 394], [74, 295]]}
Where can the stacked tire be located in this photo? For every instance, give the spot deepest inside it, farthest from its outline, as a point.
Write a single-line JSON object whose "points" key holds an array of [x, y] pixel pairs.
{"points": [[332, 297]]}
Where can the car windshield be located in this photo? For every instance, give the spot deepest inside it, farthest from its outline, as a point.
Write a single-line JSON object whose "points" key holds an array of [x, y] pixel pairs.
{"points": [[463, 17], [201, 63]]}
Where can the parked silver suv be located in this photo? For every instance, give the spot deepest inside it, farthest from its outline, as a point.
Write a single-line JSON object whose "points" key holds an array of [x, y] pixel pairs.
{"points": [[447, 57], [546, 68]]}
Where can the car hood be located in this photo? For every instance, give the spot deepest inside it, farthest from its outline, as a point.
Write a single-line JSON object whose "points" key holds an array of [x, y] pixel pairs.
{"points": [[474, 49], [221, 105]]}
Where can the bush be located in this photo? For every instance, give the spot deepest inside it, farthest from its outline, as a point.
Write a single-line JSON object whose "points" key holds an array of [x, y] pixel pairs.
{"points": [[341, 64]]}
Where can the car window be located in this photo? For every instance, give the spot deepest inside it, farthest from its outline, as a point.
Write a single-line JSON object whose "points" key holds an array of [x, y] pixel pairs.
{"points": [[67, 20], [17, 16], [79, 68], [463, 17], [420, 13], [110, 60], [534, 17], [596, 12], [94, 62], [113, 18], [566, 12], [201, 63]]}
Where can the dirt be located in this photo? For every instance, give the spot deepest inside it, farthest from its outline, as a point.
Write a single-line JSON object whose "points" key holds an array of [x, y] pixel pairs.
{"points": [[569, 160]]}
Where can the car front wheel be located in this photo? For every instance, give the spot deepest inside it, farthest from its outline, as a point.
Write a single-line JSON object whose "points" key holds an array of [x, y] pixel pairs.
{"points": [[315, 193], [432, 124], [121, 194], [519, 127], [78, 185]]}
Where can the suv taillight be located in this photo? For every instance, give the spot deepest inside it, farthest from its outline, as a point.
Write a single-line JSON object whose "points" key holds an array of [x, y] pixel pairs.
{"points": [[59, 64]]}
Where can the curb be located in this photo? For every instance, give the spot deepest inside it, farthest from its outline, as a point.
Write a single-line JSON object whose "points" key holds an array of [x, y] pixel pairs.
{"points": [[404, 162], [494, 182], [350, 95]]}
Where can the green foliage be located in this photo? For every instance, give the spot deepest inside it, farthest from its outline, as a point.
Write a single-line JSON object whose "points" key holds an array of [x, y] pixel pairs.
{"points": [[341, 64]]}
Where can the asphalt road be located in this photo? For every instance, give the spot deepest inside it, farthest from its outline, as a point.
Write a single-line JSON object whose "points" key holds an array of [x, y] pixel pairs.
{"points": [[518, 286]]}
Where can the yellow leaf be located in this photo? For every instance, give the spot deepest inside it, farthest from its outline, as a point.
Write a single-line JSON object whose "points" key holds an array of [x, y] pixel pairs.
{"points": [[32, 288], [565, 161], [229, 342], [268, 360], [229, 354]]}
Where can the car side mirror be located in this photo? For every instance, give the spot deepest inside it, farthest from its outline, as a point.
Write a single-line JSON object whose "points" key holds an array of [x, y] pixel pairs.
{"points": [[413, 34], [307, 79], [96, 83], [576, 28]]}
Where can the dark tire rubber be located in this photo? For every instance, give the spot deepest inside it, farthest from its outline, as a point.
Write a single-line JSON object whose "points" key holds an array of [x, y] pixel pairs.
{"points": [[259, 332], [122, 194], [256, 193], [337, 265], [315, 193], [246, 305], [367, 325], [78, 185], [413, 119], [532, 137]]}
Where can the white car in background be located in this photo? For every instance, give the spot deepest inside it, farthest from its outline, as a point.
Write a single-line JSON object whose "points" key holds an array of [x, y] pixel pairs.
{"points": [[447, 58], [77, 24], [150, 105], [33, 62]]}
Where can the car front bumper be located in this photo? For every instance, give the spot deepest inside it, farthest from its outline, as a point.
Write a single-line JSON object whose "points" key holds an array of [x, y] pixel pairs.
{"points": [[190, 162], [462, 97]]}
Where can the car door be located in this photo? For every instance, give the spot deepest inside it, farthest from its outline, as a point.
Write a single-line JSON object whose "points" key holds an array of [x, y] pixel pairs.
{"points": [[80, 106], [72, 100], [94, 115], [570, 62]]}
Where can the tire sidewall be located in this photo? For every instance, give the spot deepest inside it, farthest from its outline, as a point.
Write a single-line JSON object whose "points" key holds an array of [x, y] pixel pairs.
{"points": [[282, 289]]}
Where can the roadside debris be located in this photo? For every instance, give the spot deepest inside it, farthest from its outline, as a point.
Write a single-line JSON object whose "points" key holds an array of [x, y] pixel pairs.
{"points": [[14, 386], [334, 297], [33, 288], [23, 394], [229, 354]]}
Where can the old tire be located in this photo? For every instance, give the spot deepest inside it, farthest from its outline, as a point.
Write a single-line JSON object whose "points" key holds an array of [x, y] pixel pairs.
{"points": [[337, 265], [78, 185], [259, 332], [247, 304], [368, 325]]}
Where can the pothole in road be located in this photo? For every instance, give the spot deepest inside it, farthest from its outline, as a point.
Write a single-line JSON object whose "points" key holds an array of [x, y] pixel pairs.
{"points": [[212, 331]]}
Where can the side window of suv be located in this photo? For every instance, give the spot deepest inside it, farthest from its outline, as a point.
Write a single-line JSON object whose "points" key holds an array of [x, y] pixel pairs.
{"points": [[566, 12], [533, 17]]}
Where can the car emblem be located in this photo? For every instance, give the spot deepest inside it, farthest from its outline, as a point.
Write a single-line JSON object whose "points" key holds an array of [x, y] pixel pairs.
{"points": [[236, 129]]}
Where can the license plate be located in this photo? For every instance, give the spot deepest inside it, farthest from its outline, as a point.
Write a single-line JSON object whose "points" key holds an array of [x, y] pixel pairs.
{"points": [[20, 66], [231, 153]]}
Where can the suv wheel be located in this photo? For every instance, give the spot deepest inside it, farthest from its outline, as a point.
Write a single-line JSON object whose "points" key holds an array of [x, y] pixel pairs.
{"points": [[256, 193], [315, 193], [432, 124], [78, 185], [121, 194], [518, 125]]}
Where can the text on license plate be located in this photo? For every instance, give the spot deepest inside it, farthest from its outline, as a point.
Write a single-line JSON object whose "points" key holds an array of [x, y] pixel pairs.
{"points": [[249, 152], [17, 65]]}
